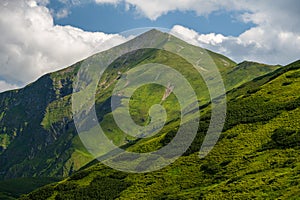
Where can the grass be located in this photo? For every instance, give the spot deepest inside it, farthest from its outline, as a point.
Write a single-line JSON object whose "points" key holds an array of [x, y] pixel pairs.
{"points": [[12, 189], [256, 157]]}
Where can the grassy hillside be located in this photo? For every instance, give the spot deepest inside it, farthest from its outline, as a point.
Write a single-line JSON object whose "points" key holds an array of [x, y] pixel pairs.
{"points": [[257, 156], [12, 189], [245, 71], [37, 133]]}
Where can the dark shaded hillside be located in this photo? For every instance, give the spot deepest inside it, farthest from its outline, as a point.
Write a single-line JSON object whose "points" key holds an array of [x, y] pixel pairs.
{"points": [[21, 114], [13, 188], [31, 149]]}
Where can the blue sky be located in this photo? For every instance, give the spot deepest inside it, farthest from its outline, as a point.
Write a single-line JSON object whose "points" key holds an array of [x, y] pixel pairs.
{"points": [[111, 18], [42, 36]]}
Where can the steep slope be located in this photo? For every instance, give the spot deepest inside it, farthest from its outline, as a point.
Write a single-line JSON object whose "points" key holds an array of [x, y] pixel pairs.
{"points": [[257, 155], [37, 133], [33, 148]]}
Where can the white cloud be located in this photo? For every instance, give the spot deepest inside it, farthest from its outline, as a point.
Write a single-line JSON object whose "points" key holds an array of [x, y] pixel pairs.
{"points": [[43, 2], [260, 44], [62, 13], [31, 45], [211, 38], [4, 86], [155, 8], [195, 38], [257, 11]]}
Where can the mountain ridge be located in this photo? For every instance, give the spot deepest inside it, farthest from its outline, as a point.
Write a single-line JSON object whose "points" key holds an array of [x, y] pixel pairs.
{"points": [[45, 142]]}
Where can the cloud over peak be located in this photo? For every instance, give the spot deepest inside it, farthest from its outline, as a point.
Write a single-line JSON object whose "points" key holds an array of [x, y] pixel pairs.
{"points": [[261, 44]]}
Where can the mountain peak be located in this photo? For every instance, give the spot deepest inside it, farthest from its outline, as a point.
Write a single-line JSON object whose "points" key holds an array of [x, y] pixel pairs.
{"points": [[154, 30], [153, 33]]}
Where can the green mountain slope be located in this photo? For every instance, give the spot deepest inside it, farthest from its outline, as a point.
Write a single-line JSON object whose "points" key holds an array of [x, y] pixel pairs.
{"points": [[245, 71], [257, 155], [13, 188], [37, 133]]}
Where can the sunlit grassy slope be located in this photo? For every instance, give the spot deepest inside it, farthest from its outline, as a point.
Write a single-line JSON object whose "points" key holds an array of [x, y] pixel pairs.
{"points": [[257, 156]]}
